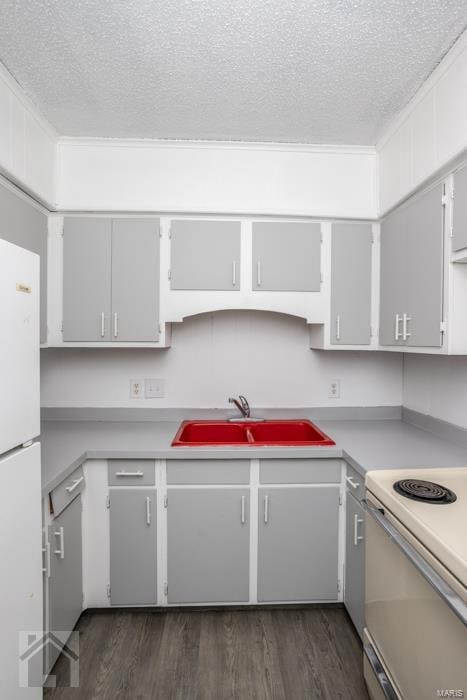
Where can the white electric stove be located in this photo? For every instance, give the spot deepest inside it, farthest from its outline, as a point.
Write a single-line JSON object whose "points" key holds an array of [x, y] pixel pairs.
{"points": [[416, 584]]}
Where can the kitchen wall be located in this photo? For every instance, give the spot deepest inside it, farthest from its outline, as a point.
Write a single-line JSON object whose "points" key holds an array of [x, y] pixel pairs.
{"points": [[263, 355], [435, 385]]}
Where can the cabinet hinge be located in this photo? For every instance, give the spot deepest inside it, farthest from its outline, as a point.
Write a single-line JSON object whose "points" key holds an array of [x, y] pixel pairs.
{"points": [[166, 589], [108, 590], [166, 501], [340, 499], [169, 274], [107, 502], [339, 587], [443, 326]]}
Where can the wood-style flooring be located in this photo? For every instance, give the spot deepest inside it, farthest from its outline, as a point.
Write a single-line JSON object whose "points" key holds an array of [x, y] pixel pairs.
{"points": [[310, 653]]}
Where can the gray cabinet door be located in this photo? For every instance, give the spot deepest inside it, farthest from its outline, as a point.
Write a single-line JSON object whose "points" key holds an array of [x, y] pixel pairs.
{"points": [[208, 545], [351, 284], [354, 596], [298, 543], [66, 572], [424, 260], [286, 256], [133, 546], [135, 279], [393, 277], [459, 229], [87, 279], [205, 255]]}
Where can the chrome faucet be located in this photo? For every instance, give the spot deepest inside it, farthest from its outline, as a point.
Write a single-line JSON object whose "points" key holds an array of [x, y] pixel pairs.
{"points": [[242, 405]]}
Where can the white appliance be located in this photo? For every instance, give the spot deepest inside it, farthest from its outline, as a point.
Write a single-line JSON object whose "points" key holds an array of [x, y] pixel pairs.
{"points": [[415, 640], [20, 470]]}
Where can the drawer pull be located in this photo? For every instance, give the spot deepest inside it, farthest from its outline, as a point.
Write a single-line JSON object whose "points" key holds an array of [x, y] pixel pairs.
{"points": [[76, 483], [353, 484], [129, 473], [397, 333]]}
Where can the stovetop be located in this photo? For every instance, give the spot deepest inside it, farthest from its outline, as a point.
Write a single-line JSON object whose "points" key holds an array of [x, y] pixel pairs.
{"points": [[432, 505]]}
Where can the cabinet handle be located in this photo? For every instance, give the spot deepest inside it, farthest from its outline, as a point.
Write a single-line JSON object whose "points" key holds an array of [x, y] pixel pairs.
{"points": [[148, 511], [405, 322], [356, 536], [338, 327], [266, 509], [102, 324], [46, 568], [60, 552], [115, 324], [129, 473], [234, 273], [258, 273], [353, 484], [76, 482], [243, 510], [397, 333]]}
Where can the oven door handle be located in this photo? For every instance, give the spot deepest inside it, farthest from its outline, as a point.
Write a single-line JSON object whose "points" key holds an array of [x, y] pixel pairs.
{"points": [[381, 676], [455, 602]]}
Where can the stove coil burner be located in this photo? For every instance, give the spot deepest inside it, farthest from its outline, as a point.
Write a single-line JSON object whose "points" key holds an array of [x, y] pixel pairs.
{"points": [[427, 491]]}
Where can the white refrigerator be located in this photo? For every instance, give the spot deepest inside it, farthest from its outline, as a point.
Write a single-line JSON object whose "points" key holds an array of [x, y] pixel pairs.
{"points": [[21, 600]]}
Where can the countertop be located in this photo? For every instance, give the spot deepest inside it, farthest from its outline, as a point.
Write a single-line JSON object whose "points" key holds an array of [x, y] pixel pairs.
{"points": [[366, 444]]}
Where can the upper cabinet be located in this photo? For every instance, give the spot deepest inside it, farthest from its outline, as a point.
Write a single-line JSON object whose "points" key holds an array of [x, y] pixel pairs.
{"points": [[351, 256], [110, 279], [286, 256], [412, 261], [205, 255]]}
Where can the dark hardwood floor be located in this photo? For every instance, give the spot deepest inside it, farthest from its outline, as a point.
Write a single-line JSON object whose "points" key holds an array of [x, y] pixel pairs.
{"points": [[282, 654]]}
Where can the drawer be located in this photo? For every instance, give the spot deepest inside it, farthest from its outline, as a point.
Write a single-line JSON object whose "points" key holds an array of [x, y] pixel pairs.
{"points": [[300, 471], [64, 493], [355, 482], [212, 471], [132, 472]]}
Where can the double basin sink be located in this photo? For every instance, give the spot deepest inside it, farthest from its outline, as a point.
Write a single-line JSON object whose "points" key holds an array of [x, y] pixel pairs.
{"points": [[290, 433]]}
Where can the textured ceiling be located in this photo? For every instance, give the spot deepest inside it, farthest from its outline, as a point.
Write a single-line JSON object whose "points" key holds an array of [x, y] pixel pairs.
{"points": [[309, 71]]}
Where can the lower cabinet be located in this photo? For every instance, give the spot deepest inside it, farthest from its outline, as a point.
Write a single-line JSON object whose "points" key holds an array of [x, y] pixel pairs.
{"points": [[208, 547], [65, 590], [354, 596], [133, 546], [298, 538]]}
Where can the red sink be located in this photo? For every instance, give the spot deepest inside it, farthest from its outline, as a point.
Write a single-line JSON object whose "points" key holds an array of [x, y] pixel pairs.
{"points": [[293, 433]]}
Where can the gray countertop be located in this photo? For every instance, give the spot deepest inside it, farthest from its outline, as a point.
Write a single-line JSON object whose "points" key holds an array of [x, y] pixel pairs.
{"points": [[366, 444]]}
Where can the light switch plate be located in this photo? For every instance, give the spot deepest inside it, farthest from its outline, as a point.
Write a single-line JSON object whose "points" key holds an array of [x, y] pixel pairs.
{"points": [[136, 389], [154, 389], [335, 389]]}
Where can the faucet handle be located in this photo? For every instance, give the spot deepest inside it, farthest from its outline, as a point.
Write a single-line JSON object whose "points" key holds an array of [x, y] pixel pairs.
{"points": [[245, 405]]}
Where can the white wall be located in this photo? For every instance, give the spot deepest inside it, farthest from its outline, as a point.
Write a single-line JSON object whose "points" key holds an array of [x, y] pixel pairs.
{"points": [[132, 175], [437, 386], [429, 133], [27, 142], [263, 355]]}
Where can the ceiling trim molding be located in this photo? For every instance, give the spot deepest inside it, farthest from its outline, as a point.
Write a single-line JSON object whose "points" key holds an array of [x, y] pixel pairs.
{"points": [[327, 149]]}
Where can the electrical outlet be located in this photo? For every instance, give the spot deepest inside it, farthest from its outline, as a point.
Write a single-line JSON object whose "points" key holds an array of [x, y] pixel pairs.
{"points": [[136, 389], [153, 388], [335, 389]]}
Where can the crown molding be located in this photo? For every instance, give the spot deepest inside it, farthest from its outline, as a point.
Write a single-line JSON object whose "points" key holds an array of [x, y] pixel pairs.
{"points": [[337, 149]]}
